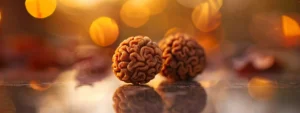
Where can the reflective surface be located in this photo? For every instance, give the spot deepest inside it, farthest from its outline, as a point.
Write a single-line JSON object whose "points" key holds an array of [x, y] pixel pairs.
{"points": [[215, 91]]}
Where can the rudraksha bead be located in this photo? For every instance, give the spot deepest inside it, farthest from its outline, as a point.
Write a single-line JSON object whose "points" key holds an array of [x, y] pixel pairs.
{"points": [[137, 60], [183, 57]]}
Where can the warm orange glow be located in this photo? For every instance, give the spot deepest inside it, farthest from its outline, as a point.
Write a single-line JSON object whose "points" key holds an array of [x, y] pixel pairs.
{"points": [[104, 31], [38, 86], [82, 3], [290, 27], [215, 5], [156, 82], [156, 6], [208, 42], [40, 8], [173, 30], [135, 13], [190, 3], [261, 89], [206, 16], [208, 83], [0, 16]]}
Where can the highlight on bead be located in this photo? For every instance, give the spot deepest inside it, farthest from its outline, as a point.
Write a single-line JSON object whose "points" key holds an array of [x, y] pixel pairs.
{"points": [[135, 13], [206, 16], [261, 88], [104, 31], [40, 8]]}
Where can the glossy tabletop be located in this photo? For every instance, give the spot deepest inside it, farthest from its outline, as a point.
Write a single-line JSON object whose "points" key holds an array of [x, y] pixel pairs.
{"points": [[214, 91]]}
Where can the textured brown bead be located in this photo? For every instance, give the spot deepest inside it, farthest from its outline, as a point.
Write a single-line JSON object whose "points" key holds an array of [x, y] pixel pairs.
{"points": [[137, 99], [137, 60], [183, 57], [182, 97]]}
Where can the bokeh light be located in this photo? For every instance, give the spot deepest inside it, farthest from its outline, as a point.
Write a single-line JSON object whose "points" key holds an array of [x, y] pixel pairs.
{"points": [[79, 3], [83, 3], [40, 8], [261, 88], [290, 27], [291, 31], [135, 13], [263, 62], [156, 6], [215, 5], [104, 31], [275, 29], [208, 83], [206, 16]]}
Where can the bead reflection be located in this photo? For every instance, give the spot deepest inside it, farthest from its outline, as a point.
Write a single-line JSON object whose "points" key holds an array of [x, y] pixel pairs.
{"points": [[182, 97], [137, 99]]}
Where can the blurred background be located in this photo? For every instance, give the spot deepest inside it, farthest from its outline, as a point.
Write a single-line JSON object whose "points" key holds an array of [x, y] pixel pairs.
{"points": [[249, 39], [226, 29]]}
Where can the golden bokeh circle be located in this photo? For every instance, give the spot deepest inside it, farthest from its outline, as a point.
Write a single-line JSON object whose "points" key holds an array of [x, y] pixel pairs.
{"points": [[206, 16], [40, 8], [135, 13], [104, 31], [156, 6]]}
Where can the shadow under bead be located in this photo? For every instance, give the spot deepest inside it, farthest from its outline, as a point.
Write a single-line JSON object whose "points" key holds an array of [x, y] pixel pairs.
{"points": [[137, 60], [183, 57], [137, 99], [182, 97]]}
